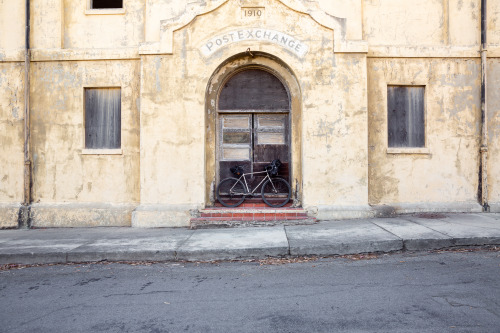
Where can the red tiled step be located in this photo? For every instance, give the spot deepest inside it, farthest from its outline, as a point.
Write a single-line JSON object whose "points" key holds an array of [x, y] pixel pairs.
{"points": [[246, 216]]}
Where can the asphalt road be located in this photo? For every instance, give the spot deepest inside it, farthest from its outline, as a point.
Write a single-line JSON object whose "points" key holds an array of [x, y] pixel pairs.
{"points": [[423, 292]]}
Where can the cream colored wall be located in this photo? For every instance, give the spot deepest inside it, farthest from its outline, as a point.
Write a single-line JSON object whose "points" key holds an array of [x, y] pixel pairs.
{"points": [[88, 29], [464, 22], [47, 24], [12, 25], [351, 10], [61, 172], [11, 132], [493, 12], [449, 172], [335, 128], [172, 131], [397, 22], [160, 10], [493, 100], [422, 22], [12, 43]]}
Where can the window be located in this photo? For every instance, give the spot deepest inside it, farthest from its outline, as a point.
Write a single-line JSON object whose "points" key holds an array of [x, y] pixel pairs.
{"points": [[102, 118], [405, 116], [105, 4]]}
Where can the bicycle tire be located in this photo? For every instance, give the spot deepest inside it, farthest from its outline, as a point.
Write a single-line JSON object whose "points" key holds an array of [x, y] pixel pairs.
{"points": [[230, 192], [276, 192]]}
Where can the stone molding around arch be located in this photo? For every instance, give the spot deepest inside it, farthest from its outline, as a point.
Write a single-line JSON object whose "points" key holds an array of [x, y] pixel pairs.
{"points": [[226, 70]]}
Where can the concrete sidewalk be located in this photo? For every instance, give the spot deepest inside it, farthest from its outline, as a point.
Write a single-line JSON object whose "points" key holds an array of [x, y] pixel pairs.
{"points": [[325, 238]]}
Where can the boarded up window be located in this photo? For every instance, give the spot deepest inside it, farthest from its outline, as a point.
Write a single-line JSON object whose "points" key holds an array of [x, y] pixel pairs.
{"points": [[102, 118], [405, 116], [104, 4]]}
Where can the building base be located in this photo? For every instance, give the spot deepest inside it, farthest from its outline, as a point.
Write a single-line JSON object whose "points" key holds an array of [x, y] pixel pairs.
{"points": [[9, 215], [326, 212], [79, 215], [157, 216]]}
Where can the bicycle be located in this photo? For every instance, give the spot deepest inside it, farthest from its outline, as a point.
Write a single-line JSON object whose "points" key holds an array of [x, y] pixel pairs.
{"points": [[275, 191]]}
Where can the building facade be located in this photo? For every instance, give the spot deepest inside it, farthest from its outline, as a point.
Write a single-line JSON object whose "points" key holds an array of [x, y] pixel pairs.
{"points": [[128, 113]]}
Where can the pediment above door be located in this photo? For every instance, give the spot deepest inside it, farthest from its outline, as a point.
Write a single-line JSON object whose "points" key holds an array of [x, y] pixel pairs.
{"points": [[273, 21]]}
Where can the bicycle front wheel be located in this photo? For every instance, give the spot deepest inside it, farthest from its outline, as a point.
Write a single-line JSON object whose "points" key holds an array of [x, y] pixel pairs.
{"points": [[276, 192], [230, 192]]}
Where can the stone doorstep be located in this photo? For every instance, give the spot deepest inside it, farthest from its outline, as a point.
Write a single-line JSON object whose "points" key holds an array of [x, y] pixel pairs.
{"points": [[248, 216], [211, 223], [270, 212]]}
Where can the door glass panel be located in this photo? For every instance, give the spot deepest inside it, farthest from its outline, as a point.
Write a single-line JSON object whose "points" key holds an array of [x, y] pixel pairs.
{"points": [[232, 154], [270, 138], [236, 122], [271, 121], [236, 137]]}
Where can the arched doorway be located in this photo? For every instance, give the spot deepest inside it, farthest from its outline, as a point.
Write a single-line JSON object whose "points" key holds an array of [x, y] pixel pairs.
{"points": [[253, 123], [253, 115]]}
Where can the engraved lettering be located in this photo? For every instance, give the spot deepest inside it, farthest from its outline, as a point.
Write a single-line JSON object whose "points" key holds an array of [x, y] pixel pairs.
{"points": [[277, 37]]}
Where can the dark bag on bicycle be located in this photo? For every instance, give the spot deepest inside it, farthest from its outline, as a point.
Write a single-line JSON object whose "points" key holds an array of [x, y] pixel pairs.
{"points": [[273, 167], [237, 170]]}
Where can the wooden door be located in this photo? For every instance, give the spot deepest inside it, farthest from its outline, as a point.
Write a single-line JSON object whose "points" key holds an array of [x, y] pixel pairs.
{"points": [[253, 126]]}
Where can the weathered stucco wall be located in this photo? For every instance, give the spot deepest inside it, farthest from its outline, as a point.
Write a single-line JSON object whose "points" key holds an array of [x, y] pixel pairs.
{"points": [[493, 100], [464, 22], [396, 22], [493, 22], [92, 29], [351, 10], [47, 23], [12, 23], [62, 172], [335, 123], [11, 141], [448, 171], [422, 22]]}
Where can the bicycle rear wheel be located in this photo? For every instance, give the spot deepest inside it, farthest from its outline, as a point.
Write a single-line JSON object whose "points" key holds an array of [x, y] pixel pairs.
{"points": [[276, 192], [230, 192]]}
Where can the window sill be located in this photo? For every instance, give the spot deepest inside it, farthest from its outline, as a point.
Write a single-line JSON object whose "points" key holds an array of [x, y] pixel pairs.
{"points": [[421, 151], [110, 11], [102, 151]]}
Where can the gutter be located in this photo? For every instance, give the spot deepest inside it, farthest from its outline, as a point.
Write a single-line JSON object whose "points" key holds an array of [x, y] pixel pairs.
{"points": [[483, 164], [24, 212]]}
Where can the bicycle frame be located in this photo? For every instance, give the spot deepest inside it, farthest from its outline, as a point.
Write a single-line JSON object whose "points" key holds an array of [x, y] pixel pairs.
{"points": [[248, 192]]}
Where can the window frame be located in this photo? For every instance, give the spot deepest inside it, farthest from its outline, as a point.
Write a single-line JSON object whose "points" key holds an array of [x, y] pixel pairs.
{"points": [[101, 151], [407, 150], [104, 11]]}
